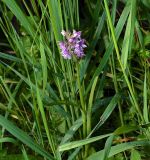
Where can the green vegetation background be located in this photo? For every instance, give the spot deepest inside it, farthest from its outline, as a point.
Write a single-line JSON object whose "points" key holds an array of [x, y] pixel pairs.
{"points": [[96, 108]]}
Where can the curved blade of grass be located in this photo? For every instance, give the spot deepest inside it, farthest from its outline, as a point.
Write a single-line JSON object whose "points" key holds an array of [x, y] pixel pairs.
{"points": [[10, 57], [118, 149], [75, 144], [23, 137], [7, 139]]}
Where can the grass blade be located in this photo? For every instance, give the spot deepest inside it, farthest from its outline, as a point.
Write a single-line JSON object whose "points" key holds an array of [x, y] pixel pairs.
{"points": [[145, 108], [118, 149], [75, 144], [127, 42]]}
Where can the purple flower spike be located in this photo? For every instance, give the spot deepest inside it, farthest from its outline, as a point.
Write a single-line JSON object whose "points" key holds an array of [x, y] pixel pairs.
{"points": [[73, 45]]}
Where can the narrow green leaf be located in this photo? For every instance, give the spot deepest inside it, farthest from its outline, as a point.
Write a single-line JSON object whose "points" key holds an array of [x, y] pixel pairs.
{"points": [[125, 129], [10, 57], [55, 14], [107, 147], [145, 108], [7, 139], [44, 64], [75, 144], [118, 149], [127, 43]]}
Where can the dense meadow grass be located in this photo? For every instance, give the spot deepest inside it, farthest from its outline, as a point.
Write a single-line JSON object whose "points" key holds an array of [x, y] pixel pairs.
{"points": [[90, 108]]}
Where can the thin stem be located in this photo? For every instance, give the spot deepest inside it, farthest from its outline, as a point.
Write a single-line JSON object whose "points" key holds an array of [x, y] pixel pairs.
{"points": [[83, 107]]}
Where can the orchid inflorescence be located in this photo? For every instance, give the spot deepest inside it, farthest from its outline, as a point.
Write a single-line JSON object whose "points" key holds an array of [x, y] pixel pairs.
{"points": [[73, 45]]}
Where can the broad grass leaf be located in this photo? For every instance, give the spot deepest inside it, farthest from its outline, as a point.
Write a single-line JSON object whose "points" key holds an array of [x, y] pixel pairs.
{"points": [[76, 144]]}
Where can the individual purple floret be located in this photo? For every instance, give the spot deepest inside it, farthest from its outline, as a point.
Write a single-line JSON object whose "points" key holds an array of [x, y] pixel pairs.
{"points": [[64, 50], [73, 45], [76, 34]]}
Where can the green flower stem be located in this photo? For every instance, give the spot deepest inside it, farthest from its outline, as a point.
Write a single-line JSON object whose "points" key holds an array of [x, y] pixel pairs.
{"points": [[83, 109], [70, 77]]}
